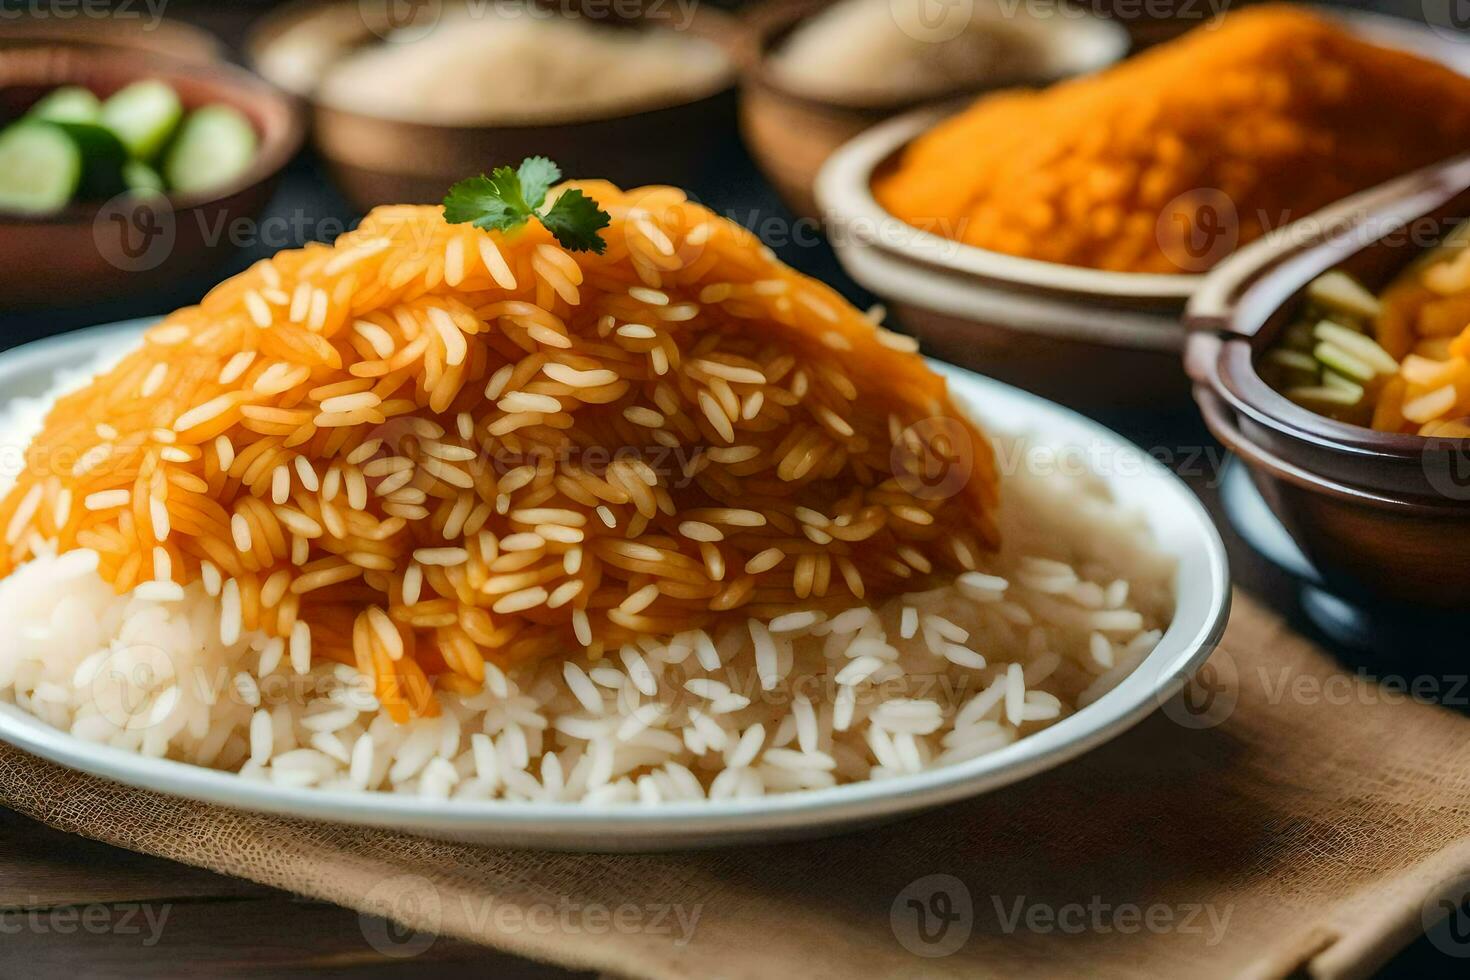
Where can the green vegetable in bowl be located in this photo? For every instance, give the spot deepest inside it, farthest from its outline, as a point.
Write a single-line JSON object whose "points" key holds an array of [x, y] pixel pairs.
{"points": [[1327, 361], [40, 168], [141, 178], [103, 158], [70, 103], [47, 163], [1362, 347], [71, 145], [144, 116], [1339, 292], [214, 146]]}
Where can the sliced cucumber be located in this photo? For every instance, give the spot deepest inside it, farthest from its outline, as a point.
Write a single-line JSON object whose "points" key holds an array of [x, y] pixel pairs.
{"points": [[1337, 290], [103, 158], [1323, 393], [1331, 379], [144, 116], [214, 146], [1293, 360], [70, 103], [1331, 401], [1364, 348], [1342, 362], [141, 178], [40, 168], [1284, 368]]}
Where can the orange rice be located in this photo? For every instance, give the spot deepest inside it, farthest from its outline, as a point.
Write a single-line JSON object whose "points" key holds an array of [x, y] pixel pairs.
{"points": [[1424, 323], [397, 450]]}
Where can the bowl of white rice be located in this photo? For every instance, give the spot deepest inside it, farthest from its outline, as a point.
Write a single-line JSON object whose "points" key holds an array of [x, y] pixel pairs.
{"points": [[402, 109], [1111, 587], [825, 71]]}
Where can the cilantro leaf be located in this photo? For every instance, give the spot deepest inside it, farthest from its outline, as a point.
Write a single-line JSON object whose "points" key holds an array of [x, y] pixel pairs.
{"points": [[575, 220], [507, 185], [493, 203], [508, 198], [537, 174]]}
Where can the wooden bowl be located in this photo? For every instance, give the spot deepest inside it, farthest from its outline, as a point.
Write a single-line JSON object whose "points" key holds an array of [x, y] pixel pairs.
{"points": [[792, 134], [1084, 337], [94, 251], [1382, 515], [375, 160]]}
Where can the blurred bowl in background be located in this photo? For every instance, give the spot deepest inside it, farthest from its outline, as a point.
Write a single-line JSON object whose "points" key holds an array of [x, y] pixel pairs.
{"points": [[379, 160], [139, 32], [792, 131], [1084, 337], [99, 250], [1380, 515]]}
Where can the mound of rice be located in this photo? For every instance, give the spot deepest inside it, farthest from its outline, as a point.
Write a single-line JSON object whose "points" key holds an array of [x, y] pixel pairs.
{"points": [[345, 524], [500, 63]]}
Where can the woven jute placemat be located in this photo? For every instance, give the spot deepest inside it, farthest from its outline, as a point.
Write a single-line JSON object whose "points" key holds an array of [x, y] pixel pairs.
{"points": [[1286, 817]]}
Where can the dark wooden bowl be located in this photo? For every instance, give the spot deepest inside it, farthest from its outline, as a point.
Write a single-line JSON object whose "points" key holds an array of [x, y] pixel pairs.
{"points": [[376, 160], [1380, 514], [1084, 337], [792, 134], [94, 251]]}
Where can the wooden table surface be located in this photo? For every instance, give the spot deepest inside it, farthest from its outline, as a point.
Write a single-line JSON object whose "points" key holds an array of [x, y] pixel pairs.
{"points": [[72, 907]]}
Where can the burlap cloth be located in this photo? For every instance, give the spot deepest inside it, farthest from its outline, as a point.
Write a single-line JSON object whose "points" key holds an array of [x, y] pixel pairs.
{"points": [[1307, 830]]}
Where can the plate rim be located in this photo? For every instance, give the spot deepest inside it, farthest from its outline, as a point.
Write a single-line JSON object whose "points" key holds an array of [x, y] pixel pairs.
{"points": [[678, 823]]}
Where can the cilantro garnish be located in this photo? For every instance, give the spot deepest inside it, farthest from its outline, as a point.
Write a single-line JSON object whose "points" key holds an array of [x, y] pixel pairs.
{"points": [[508, 198]]}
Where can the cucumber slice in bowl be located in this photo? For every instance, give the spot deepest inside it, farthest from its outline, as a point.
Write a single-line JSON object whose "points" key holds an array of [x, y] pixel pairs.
{"points": [[103, 159], [141, 178], [143, 116], [70, 103], [40, 168], [215, 145]]}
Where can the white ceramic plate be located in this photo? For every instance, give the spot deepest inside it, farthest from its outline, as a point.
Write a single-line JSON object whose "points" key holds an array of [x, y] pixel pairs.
{"points": [[1178, 520]]}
